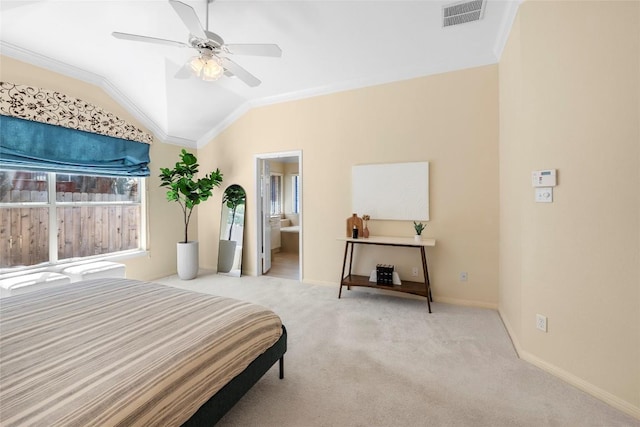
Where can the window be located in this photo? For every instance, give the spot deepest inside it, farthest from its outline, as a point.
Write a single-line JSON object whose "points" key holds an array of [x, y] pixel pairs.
{"points": [[47, 217], [295, 194], [276, 194]]}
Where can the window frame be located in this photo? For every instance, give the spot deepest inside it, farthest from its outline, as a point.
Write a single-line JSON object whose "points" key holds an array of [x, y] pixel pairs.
{"points": [[280, 201], [52, 204], [295, 193]]}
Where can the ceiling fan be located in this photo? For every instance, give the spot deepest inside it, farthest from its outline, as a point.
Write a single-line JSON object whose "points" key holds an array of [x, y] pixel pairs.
{"points": [[212, 61]]}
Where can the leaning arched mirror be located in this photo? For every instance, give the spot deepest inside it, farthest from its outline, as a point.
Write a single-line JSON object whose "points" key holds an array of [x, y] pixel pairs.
{"points": [[231, 231]]}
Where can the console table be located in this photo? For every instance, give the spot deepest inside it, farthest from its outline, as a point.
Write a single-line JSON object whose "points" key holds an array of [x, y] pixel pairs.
{"points": [[415, 288]]}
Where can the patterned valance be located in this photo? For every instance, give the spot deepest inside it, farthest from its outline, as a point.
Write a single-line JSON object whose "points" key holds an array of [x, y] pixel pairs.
{"points": [[55, 108]]}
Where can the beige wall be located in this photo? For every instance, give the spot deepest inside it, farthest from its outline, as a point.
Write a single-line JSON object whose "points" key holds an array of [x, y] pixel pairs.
{"points": [[164, 219], [570, 100], [450, 120], [565, 95]]}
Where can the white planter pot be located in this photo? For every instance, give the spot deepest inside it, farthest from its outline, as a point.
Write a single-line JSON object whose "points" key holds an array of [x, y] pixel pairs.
{"points": [[226, 255], [417, 237], [188, 260]]}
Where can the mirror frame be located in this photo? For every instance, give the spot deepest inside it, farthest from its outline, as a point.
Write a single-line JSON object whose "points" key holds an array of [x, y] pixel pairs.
{"points": [[230, 247]]}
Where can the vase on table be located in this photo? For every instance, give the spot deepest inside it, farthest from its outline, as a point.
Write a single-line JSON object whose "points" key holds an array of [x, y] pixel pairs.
{"points": [[365, 230]]}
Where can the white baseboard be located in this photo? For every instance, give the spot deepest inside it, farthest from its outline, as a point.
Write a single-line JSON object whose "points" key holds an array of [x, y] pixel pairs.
{"points": [[570, 378], [583, 385], [511, 333], [466, 303]]}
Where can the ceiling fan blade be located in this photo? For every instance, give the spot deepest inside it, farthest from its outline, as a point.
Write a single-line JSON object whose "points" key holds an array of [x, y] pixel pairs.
{"points": [[272, 50], [189, 17], [146, 39], [240, 72]]}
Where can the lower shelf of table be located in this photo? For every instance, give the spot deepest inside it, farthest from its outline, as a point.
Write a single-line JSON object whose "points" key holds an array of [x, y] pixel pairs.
{"points": [[415, 288]]}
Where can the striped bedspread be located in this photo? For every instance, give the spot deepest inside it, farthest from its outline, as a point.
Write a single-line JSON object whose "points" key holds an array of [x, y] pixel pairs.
{"points": [[121, 352]]}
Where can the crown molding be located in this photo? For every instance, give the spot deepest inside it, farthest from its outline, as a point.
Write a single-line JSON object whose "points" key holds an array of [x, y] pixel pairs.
{"points": [[505, 27], [225, 123], [59, 67], [391, 77]]}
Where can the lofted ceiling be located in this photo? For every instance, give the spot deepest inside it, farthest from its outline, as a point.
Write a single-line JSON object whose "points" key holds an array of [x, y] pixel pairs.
{"points": [[327, 46]]}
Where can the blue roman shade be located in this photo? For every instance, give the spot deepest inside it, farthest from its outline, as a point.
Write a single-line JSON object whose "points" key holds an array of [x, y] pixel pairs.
{"points": [[45, 130], [30, 145]]}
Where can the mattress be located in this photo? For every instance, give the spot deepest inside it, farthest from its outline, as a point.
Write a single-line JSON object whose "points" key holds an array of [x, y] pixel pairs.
{"points": [[122, 352]]}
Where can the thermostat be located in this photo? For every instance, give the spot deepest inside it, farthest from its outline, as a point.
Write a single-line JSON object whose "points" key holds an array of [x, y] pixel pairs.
{"points": [[544, 178]]}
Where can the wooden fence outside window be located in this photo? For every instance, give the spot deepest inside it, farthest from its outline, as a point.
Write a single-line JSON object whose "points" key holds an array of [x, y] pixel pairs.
{"points": [[90, 228]]}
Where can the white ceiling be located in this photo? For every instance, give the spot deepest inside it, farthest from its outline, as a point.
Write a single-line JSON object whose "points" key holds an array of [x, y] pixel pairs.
{"points": [[327, 46]]}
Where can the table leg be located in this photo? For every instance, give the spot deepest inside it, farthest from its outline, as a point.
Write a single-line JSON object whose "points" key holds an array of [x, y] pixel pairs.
{"points": [[350, 263], [344, 263], [425, 272]]}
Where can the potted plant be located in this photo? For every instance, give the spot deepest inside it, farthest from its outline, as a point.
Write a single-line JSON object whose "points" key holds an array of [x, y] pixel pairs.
{"points": [[419, 227], [188, 192], [233, 197]]}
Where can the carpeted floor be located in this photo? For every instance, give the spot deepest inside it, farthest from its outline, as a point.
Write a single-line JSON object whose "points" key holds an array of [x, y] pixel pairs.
{"points": [[379, 360]]}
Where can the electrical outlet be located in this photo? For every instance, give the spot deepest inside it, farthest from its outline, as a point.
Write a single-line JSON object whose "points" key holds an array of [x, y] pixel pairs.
{"points": [[541, 322], [463, 276], [414, 271]]}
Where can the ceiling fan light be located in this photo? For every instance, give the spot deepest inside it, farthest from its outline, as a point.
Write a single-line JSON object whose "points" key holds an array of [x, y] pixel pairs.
{"points": [[197, 64], [212, 69]]}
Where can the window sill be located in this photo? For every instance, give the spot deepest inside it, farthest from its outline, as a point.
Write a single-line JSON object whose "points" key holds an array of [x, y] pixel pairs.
{"points": [[6, 273]]}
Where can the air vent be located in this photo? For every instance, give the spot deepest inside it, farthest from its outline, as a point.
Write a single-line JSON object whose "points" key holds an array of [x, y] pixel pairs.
{"points": [[462, 12]]}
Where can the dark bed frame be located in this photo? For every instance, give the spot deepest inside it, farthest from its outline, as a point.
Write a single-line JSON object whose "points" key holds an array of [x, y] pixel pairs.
{"points": [[221, 402]]}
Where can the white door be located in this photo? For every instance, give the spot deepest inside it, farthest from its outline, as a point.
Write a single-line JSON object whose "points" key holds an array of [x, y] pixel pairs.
{"points": [[266, 215]]}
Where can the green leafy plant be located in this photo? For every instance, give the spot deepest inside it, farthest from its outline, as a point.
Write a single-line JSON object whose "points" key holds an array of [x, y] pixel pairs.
{"points": [[234, 196], [185, 189], [419, 227]]}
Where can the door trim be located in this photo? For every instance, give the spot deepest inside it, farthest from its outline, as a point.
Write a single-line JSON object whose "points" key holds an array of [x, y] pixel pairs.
{"points": [[258, 214]]}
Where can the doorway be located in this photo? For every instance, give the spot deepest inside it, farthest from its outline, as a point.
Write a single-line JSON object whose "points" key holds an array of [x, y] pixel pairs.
{"points": [[279, 215]]}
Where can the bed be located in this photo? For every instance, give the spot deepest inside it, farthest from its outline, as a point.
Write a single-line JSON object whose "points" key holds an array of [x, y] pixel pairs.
{"points": [[125, 352]]}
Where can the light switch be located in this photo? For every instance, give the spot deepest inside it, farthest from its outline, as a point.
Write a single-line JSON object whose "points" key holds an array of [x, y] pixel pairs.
{"points": [[544, 194]]}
